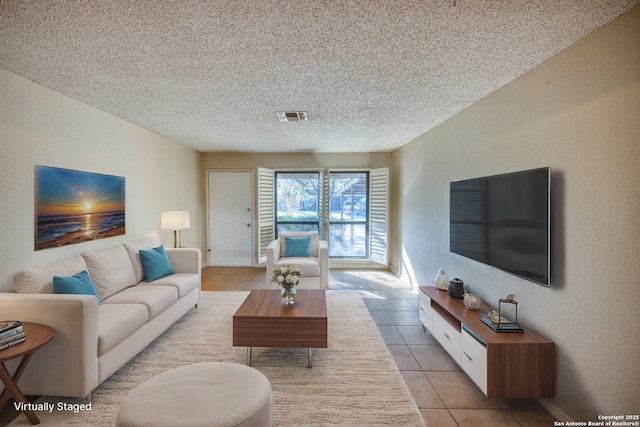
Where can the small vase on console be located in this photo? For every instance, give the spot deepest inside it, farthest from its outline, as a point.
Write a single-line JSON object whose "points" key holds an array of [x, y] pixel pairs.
{"points": [[442, 281]]}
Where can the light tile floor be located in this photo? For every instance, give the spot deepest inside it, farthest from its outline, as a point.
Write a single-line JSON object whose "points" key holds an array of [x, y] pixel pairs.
{"points": [[444, 394]]}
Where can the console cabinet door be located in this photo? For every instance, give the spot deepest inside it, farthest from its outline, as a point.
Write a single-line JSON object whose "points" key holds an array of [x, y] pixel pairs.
{"points": [[447, 336], [474, 360]]}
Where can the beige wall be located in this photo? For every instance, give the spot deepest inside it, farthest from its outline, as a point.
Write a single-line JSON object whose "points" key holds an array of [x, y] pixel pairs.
{"points": [[294, 161], [578, 113], [42, 127]]}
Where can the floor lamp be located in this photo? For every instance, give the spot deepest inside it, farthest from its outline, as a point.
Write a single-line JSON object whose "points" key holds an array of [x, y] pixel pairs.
{"points": [[176, 221]]}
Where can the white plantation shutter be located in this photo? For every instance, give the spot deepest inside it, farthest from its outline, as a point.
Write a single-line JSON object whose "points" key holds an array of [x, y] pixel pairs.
{"points": [[378, 215], [323, 200], [266, 209]]}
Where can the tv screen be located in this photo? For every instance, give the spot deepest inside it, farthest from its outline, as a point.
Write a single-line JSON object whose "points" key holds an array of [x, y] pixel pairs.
{"points": [[503, 221]]}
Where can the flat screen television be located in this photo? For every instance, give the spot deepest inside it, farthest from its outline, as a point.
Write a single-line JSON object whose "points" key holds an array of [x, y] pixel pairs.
{"points": [[504, 221]]}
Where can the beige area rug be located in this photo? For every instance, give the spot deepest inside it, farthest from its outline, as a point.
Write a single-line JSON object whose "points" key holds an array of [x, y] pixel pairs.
{"points": [[353, 382]]}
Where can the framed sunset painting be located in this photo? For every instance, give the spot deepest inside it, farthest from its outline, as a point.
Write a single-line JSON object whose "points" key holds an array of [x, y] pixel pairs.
{"points": [[74, 206]]}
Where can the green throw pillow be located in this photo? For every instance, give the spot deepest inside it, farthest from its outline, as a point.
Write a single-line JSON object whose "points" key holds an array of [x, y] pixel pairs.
{"points": [[155, 263], [297, 246], [80, 284]]}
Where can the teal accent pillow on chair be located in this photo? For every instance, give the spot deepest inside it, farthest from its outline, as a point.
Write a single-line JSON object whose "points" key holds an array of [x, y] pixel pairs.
{"points": [[80, 284], [155, 263], [297, 246]]}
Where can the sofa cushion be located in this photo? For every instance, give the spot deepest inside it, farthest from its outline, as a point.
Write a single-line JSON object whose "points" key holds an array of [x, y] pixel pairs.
{"points": [[310, 266], [39, 280], [116, 322], [313, 241], [297, 246], [156, 298], [183, 282], [156, 263], [79, 284], [110, 270], [133, 249]]}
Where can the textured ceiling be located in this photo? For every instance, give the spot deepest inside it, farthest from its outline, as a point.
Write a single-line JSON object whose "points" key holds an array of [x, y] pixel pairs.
{"points": [[372, 75]]}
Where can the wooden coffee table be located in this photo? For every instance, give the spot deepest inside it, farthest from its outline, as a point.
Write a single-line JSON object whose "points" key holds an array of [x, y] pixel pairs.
{"points": [[36, 336], [263, 321]]}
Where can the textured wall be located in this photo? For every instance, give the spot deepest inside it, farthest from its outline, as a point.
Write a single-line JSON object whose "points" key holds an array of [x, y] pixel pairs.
{"points": [[578, 113], [295, 160], [42, 127]]}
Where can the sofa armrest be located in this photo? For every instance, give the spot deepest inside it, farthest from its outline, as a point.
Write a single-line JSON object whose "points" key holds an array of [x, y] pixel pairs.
{"points": [[68, 365], [323, 258], [185, 260], [273, 251]]}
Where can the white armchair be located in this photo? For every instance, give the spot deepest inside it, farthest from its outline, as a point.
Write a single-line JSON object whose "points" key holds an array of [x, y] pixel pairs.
{"points": [[304, 250]]}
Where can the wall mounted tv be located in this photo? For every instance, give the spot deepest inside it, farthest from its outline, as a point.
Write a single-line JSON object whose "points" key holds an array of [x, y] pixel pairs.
{"points": [[503, 221]]}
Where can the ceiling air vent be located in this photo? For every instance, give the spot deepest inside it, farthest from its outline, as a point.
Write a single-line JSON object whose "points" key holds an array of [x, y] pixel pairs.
{"points": [[292, 116]]}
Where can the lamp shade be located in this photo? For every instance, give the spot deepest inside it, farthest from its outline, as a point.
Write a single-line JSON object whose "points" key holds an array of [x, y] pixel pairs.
{"points": [[175, 220]]}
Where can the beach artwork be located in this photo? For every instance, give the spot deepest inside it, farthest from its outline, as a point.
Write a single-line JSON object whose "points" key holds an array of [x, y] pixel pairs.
{"points": [[74, 206]]}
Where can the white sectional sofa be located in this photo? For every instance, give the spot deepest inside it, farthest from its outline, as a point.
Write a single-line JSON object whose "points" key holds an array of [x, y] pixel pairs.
{"points": [[94, 339]]}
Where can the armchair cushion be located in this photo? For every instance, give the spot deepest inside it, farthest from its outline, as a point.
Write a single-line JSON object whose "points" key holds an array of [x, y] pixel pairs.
{"points": [[297, 246], [310, 266]]}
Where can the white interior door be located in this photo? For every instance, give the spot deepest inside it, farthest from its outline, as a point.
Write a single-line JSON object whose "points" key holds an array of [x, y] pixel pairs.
{"points": [[230, 218]]}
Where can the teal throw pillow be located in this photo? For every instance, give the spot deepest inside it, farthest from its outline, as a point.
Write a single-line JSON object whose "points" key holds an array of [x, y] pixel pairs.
{"points": [[80, 284], [297, 246], [155, 263]]}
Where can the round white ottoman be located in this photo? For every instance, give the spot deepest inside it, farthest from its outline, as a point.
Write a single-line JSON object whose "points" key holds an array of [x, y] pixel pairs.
{"points": [[203, 394]]}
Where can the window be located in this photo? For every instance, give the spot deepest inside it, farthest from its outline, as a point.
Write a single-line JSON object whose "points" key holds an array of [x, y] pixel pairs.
{"points": [[348, 221], [297, 201], [346, 208]]}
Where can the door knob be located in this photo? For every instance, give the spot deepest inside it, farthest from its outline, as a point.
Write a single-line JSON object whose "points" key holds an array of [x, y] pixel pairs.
{"points": [[248, 225]]}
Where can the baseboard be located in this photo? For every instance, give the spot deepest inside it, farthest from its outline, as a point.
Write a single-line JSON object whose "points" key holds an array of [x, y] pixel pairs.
{"points": [[553, 409]]}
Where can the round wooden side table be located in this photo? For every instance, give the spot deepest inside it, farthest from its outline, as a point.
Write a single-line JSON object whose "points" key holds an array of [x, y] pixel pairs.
{"points": [[36, 336]]}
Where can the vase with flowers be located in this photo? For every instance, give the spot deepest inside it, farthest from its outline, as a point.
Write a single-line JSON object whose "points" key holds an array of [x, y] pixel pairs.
{"points": [[287, 277]]}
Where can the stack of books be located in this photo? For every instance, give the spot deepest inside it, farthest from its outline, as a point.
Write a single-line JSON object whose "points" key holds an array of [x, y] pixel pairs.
{"points": [[11, 333], [506, 324]]}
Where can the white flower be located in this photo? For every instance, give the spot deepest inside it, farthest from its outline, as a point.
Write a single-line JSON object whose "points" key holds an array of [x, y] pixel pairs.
{"points": [[287, 276]]}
